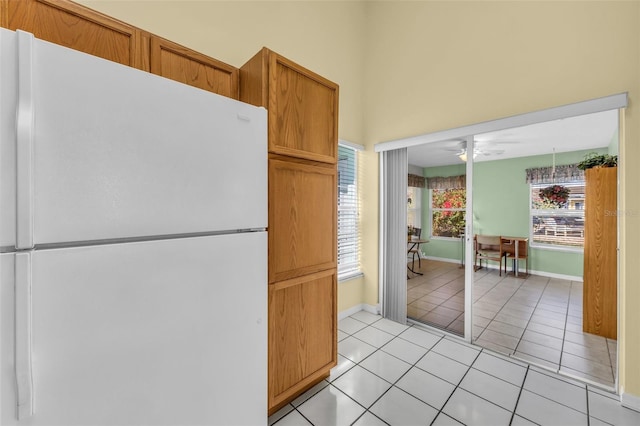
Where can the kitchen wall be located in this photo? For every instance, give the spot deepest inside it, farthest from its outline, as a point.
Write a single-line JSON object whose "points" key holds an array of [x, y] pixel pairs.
{"points": [[438, 65], [411, 67]]}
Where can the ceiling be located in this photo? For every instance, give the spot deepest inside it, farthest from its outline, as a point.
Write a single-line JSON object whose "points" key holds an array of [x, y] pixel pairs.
{"points": [[582, 132]]}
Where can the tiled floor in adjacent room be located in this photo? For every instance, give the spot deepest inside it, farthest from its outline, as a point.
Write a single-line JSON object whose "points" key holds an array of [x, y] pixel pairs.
{"points": [[536, 319], [392, 374]]}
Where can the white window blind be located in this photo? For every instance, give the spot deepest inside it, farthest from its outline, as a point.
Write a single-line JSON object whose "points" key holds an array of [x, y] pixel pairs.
{"points": [[348, 211]]}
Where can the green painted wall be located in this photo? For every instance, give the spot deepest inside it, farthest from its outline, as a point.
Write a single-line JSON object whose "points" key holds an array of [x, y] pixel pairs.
{"points": [[501, 207]]}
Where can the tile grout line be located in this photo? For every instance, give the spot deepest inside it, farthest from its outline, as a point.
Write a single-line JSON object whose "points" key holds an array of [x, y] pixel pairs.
{"points": [[564, 330], [456, 388], [524, 379], [404, 374], [529, 320]]}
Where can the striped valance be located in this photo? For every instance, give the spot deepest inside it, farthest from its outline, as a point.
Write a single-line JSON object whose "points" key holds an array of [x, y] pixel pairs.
{"points": [[562, 174], [447, 182], [415, 180]]}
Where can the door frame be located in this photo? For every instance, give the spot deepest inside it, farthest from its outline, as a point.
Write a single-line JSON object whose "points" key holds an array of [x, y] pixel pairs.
{"points": [[613, 102]]}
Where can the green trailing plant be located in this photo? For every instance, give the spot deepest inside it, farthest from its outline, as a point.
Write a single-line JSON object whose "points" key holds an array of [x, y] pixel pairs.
{"points": [[593, 159]]}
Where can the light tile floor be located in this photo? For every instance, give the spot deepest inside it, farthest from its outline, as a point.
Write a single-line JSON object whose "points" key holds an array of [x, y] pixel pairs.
{"points": [[536, 319], [391, 374]]}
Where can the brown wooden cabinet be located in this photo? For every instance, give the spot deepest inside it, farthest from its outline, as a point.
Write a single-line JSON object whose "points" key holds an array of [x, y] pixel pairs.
{"points": [[77, 27], [303, 144], [302, 218], [302, 327], [187, 66], [600, 287], [303, 106]]}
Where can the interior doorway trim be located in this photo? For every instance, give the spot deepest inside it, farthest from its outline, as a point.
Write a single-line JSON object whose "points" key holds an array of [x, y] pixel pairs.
{"points": [[565, 111]]}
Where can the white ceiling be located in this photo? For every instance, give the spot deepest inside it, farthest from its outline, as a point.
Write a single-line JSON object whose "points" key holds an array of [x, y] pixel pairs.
{"points": [[570, 134]]}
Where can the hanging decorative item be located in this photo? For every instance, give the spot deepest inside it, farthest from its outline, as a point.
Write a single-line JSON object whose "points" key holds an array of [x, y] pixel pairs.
{"points": [[555, 195]]}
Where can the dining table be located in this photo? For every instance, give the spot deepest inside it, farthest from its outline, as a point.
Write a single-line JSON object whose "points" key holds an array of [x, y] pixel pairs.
{"points": [[517, 242], [414, 243]]}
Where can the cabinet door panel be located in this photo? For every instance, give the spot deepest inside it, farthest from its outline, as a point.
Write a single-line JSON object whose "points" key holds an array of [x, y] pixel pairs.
{"points": [[187, 66], [302, 219], [302, 334], [600, 300], [303, 112], [74, 26]]}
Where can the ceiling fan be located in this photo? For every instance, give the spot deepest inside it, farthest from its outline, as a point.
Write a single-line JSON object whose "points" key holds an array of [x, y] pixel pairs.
{"points": [[481, 148]]}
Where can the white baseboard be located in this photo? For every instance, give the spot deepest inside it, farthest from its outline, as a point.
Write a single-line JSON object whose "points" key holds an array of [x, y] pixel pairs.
{"points": [[630, 401], [442, 259], [372, 309], [523, 270]]}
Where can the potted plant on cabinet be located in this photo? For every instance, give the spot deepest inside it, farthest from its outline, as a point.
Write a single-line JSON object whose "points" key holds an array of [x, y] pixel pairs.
{"points": [[594, 159]]}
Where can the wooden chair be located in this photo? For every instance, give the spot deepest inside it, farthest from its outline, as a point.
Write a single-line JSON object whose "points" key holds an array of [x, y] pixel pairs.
{"points": [[415, 251], [489, 247]]}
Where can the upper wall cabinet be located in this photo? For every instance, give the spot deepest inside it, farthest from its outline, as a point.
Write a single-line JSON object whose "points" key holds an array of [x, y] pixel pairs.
{"points": [[77, 27], [303, 106], [176, 62], [71, 25]]}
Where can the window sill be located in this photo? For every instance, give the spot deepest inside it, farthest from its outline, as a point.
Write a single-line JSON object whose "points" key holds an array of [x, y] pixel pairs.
{"points": [[350, 276], [446, 238], [557, 248]]}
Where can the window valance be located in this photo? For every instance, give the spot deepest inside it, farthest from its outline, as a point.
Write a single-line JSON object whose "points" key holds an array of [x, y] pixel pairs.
{"points": [[415, 180], [563, 174], [448, 182]]}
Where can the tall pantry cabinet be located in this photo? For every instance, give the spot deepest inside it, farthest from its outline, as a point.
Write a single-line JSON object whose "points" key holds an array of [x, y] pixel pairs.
{"points": [[303, 144], [600, 286]]}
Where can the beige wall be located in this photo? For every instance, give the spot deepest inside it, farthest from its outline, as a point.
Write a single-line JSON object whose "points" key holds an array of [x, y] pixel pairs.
{"points": [[406, 68], [437, 65]]}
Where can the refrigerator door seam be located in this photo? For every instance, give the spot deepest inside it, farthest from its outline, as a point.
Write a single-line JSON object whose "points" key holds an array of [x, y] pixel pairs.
{"points": [[141, 239], [25, 122], [23, 324]]}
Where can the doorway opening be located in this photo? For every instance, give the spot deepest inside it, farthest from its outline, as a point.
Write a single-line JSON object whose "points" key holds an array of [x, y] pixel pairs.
{"points": [[529, 303]]}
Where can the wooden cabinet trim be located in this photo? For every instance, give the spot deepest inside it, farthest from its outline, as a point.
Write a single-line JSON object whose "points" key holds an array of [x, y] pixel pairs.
{"points": [[276, 59], [275, 232], [273, 98], [254, 87], [276, 400], [299, 280], [90, 15], [23, 15], [159, 44]]}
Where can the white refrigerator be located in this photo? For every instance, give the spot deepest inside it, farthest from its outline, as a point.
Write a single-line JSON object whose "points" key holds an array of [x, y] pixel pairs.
{"points": [[133, 269]]}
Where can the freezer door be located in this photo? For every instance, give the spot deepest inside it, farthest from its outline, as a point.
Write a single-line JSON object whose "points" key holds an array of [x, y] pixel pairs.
{"points": [[105, 151], [170, 332]]}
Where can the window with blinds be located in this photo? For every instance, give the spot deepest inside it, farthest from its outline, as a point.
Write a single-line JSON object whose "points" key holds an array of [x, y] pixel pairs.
{"points": [[348, 212], [557, 215]]}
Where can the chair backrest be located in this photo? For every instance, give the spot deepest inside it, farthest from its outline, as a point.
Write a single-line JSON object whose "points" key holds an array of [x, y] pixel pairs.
{"points": [[417, 232], [488, 240]]}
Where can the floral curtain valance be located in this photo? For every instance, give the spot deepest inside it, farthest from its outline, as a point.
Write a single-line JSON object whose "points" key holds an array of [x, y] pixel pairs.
{"points": [[448, 182], [415, 180], [565, 173]]}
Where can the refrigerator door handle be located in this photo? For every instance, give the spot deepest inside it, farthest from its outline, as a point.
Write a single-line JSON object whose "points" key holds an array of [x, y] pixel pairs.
{"points": [[25, 129], [23, 365]]}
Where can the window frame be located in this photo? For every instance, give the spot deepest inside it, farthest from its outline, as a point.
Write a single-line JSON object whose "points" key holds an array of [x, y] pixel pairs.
{"points": [[417, 211], [553, 213], [349, 271], [457, 209]]}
